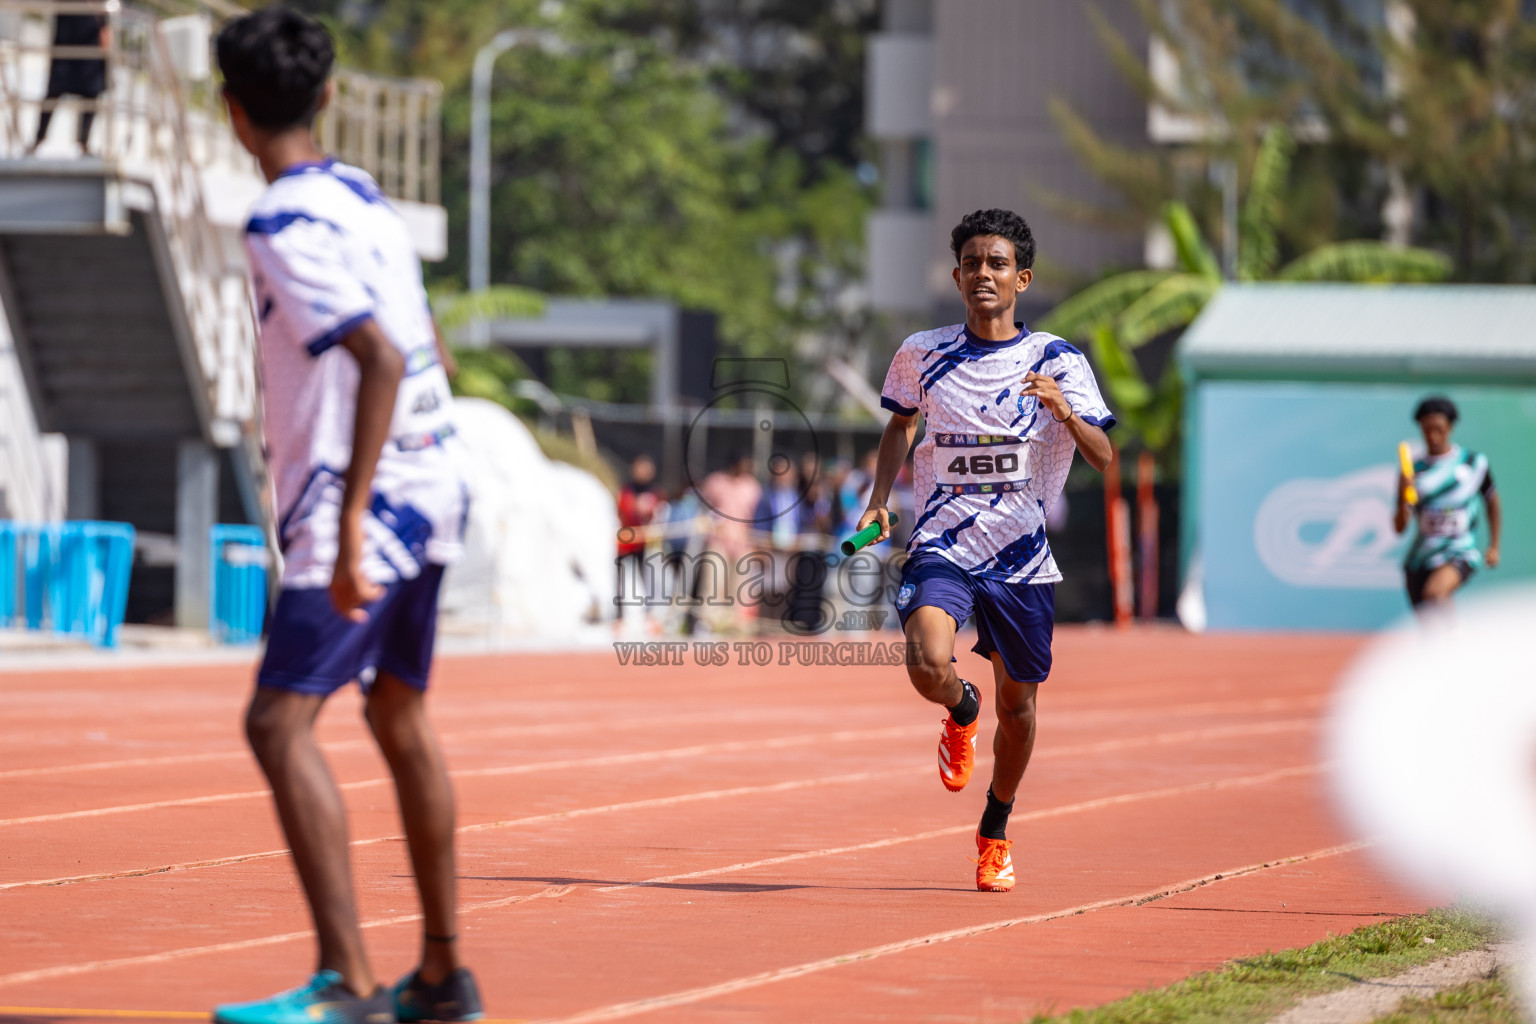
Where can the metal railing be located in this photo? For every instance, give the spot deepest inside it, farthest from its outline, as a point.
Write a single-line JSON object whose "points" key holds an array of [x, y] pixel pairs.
{"points": [[389, 127], [142, 132]]}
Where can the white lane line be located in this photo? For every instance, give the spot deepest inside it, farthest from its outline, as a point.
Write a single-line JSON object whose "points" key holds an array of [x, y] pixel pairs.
{"points": [[70, 970], [688, 798], [639, 757], [556, 891], [619, 1011], [155, 805], [579, 812], [1070, 751], [699, 750], [1048, 812], [1064, 716], [546, 729]]}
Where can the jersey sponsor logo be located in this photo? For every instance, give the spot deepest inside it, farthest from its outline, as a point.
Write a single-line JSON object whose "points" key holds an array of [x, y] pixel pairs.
{"points": [[427, 401], [973, 440], [1001, 470], [904, 595], [1338, 532], [1445, 522]]}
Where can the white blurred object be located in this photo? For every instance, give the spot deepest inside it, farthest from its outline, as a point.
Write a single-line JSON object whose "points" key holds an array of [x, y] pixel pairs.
{"points": [[541, 540], [1191, 604], [187, 43], [1434, 739]]}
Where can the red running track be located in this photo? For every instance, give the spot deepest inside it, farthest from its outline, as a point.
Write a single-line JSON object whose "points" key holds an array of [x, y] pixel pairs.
{"points": [[686, 844]]}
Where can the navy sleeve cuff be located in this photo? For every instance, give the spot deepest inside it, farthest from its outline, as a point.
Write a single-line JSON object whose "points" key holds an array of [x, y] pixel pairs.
{"points": [[1104, 423], [896, 407], [331, 337]]}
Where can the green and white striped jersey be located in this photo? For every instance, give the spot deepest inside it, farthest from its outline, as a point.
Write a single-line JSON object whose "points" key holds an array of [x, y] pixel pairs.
{"points": [[1452, 488]]}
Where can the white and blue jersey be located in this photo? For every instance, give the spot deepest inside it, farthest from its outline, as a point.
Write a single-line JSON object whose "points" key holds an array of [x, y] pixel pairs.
{"points": [[993, 460], [328, 252]]}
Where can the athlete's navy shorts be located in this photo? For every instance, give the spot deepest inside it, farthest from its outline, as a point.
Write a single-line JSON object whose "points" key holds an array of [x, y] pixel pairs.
{"points": [[1014, 619], [312, 649]]}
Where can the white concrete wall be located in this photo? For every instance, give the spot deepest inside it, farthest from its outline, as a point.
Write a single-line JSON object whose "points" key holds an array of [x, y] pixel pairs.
{"points": [[32, 464]]}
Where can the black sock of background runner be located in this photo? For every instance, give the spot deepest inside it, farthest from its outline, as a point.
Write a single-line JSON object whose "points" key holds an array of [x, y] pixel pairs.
{"points": [[969, 707], [994, 820]]}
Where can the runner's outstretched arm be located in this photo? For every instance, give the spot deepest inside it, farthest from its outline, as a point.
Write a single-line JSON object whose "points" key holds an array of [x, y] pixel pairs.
{"points": [[1495, 528], [895, 443]]}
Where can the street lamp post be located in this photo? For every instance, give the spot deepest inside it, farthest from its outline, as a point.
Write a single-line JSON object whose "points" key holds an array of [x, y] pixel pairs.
{"points": [[480, 150]]}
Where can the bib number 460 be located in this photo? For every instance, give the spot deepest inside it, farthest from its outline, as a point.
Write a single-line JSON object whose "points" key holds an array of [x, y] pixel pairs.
{"points": [[984, 465]]}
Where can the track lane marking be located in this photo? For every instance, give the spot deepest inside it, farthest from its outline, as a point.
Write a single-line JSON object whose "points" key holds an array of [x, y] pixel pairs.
{"points": [[83, 1013], [579, 812], [56, 1011], [558, 891], [619, 1011], [1060, 715], [1047, 812], [1089, 748], [529, 767], [364, 742], [675, 753]]}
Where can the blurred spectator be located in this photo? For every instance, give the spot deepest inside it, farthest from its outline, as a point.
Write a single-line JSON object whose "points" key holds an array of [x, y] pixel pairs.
{"points": [[778, 518], [684, 542], [807, 570], [732, 495], [778, 510], [817, 511], [85, 77], [639, 502], [860, 483]]}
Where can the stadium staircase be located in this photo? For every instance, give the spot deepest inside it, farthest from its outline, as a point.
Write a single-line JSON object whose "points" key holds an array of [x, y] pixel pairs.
{"points": [[123, 283]]}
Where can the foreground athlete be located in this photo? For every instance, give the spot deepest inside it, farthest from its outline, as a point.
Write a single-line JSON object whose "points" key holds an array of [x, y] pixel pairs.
{"points": [[1004, 410], [370, 507], [1453, 486]]}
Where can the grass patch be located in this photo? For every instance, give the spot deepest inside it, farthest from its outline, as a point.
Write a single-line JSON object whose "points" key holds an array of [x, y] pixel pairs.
{"points": [[1252, 990], [1489, 1001]]}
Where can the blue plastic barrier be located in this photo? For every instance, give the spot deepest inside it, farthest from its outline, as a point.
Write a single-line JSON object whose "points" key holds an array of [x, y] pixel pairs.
{"points": [[69, 578], [240, 560]]}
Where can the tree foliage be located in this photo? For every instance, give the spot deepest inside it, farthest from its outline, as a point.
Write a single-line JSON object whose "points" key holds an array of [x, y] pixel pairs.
{"points": [[1433, 101], [683, 149], [1122, 313]]}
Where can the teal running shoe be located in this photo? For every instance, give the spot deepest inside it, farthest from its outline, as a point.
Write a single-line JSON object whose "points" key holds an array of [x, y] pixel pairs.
{"points": [[325, 1000], [455, 998]]}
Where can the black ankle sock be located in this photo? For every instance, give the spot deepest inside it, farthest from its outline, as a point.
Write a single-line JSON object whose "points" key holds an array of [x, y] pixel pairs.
{"points": [[994, 820], [969, 707]]}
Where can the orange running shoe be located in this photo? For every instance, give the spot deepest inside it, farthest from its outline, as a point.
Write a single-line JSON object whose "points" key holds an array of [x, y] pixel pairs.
{"points": [[957, 751], [994, 864]]}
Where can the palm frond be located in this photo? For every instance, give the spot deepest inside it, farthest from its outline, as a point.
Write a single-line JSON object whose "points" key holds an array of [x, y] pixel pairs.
{"points": [[1194, 255], [499, 302], [1142, 176], [1259, 245], [1119, 371], [1174, 303], [1100, 303], [1368, 262]]}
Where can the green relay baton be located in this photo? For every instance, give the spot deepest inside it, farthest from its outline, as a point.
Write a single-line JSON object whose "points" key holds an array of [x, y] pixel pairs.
{"points": [[864, 537]]}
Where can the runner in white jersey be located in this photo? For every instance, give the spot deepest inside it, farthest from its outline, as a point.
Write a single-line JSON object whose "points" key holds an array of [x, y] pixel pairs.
{"points": [[329, 253], [1005, 410], [370, 507]]}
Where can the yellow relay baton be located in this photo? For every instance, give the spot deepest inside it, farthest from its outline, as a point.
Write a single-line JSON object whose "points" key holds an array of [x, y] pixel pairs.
{"points": [[1411, 493]]}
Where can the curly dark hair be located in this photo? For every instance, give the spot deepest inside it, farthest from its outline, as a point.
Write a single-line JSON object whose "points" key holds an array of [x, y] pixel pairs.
{"points": [[275, 63], [1436, 404], [1003, 224]]}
